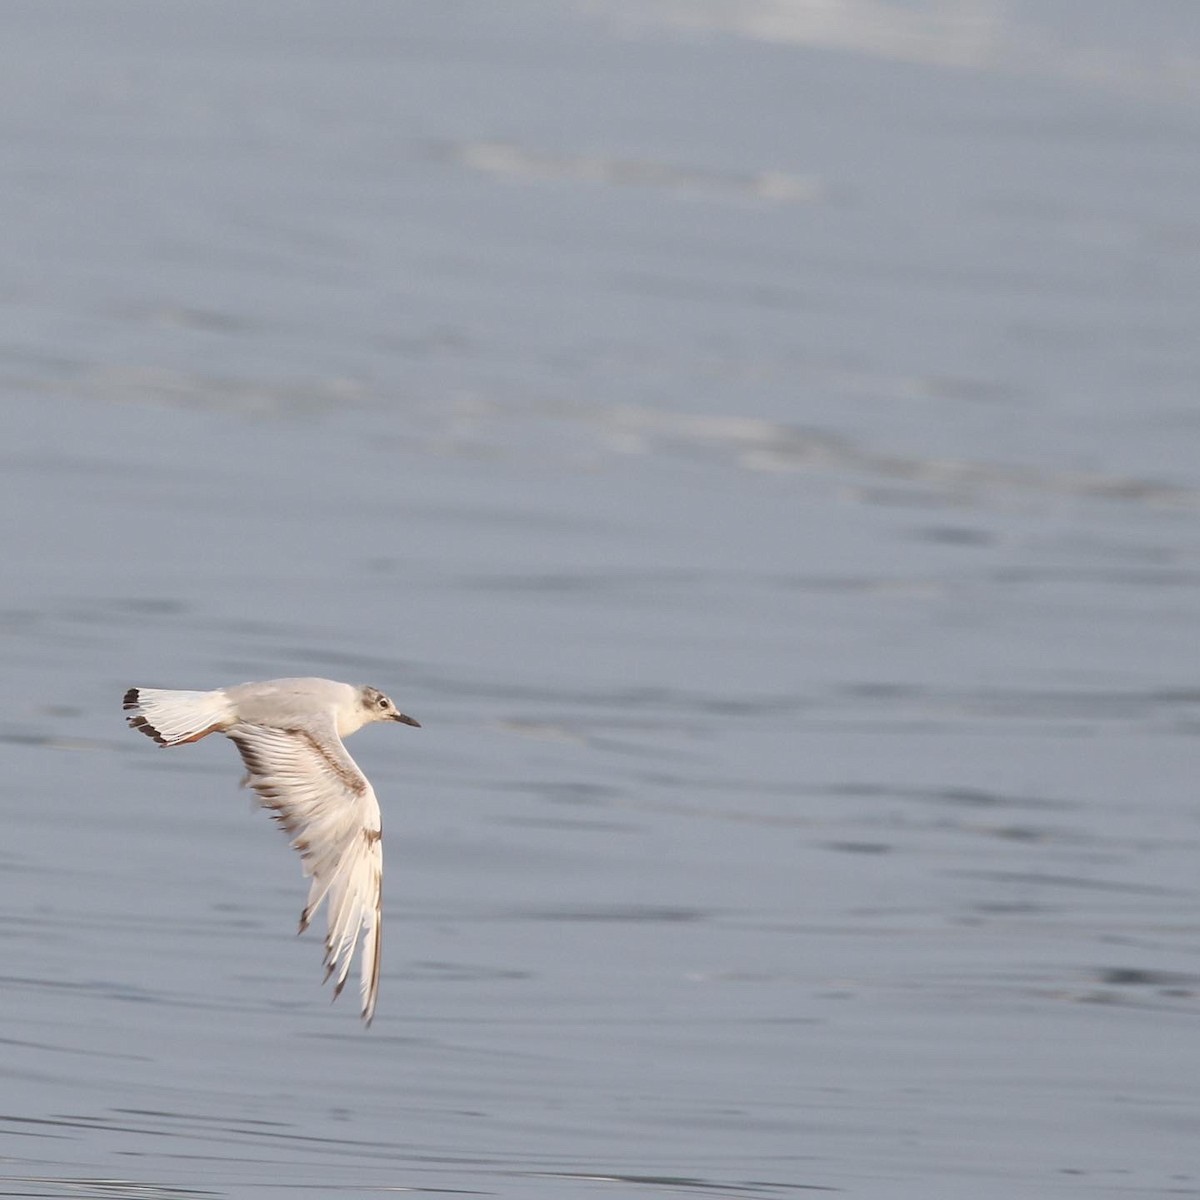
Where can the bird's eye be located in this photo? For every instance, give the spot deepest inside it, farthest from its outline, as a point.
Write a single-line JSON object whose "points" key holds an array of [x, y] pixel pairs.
{"points": [[384, 702]]}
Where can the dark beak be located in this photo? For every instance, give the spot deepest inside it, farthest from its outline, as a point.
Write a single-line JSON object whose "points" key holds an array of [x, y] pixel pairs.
{"points": [[406, 720]]}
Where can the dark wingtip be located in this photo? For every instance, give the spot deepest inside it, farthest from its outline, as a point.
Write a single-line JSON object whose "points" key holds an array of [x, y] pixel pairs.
{"points": [[132, 702], [148, 729]]}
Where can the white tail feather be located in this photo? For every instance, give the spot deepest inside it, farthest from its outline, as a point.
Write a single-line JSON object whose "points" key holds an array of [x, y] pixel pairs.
{"points": [[173, 718]]}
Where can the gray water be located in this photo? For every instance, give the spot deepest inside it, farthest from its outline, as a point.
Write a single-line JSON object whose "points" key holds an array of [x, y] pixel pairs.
{"points": [[759, 441]]}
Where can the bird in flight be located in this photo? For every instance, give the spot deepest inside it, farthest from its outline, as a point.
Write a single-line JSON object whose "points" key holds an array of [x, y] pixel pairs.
{"points": [[289, 733]]}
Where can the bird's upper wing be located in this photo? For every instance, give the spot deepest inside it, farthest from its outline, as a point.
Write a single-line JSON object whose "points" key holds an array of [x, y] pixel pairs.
{"points": [[316, 792]]}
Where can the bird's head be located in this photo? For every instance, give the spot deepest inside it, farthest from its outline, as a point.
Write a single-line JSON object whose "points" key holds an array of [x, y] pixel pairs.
{"points": [[379, 707]]}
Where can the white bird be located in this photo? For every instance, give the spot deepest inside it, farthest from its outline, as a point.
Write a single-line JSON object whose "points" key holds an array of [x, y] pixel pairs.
{"points": [[289, 733]]}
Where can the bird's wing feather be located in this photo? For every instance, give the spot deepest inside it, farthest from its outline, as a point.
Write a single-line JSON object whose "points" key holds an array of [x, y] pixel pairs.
{"points": [[316, 792]]}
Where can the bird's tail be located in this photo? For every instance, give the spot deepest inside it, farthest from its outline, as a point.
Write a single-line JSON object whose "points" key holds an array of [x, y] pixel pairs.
{"points": [[173, 718]]}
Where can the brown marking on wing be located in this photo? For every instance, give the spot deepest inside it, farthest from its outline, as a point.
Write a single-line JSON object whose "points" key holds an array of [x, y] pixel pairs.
{"points": [[133, 701], [352, 779], [254, 764], [145, 726], [269, 794], [197, 736], [274, 797]]}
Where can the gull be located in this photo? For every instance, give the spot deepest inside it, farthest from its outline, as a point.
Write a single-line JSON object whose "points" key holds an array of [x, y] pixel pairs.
{"points": [[289, 733]]}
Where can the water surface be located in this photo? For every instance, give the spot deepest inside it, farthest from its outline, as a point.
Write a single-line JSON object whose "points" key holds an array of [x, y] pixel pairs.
{"points": [[759, 446]]}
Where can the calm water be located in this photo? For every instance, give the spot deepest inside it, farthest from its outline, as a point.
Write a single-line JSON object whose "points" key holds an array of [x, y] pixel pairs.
{"points": [[759, 441]]}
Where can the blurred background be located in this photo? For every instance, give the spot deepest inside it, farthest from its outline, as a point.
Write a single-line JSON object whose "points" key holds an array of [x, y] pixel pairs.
{"points": [[758, 440]]}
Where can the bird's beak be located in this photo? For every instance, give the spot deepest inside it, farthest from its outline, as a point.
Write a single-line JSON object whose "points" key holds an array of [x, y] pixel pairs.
{"points": [[406, 720]]}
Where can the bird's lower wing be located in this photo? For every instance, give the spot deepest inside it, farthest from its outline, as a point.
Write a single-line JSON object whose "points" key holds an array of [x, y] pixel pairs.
{"points": [[316, 792]]}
